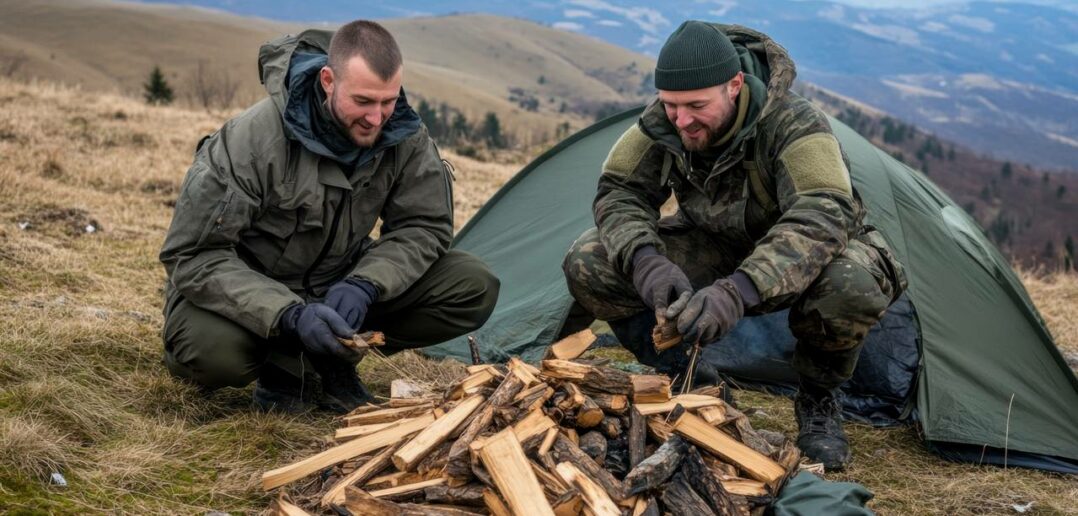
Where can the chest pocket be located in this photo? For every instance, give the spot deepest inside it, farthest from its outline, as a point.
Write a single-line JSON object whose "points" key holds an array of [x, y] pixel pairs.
{"points": [[763, 212]]}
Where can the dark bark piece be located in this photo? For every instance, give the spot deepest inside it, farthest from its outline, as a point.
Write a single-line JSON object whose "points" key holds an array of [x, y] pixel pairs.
{"points": [[610, 403], [594, 444], [638, 436], [611, 427], [469, 494], [680, 499], [703, 481], [473, 345], [565, 450], [656, 469], [651, 508], [411, 509]]}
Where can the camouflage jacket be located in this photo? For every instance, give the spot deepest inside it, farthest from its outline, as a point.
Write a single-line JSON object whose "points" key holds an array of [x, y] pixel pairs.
{"points": [[262, 223], [779, 195]]}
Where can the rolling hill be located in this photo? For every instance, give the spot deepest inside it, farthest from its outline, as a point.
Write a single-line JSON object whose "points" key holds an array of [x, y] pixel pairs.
{"points": [[520, 70]]}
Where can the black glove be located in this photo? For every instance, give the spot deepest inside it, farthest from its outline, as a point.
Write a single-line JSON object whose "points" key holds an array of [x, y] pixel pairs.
{"points": [[662, 285], [317, 326], [711, 313], [351, 299]]}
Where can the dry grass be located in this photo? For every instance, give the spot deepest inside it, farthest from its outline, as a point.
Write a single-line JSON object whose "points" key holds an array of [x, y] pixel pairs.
{"points": [[83, 392]]}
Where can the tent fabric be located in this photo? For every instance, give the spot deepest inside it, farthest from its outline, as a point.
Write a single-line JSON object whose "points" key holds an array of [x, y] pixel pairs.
{"points": [[809, 495], [989, 374]]}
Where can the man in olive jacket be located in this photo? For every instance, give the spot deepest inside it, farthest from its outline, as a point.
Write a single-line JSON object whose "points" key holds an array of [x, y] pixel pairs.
{"points": [[269, 257], [767, 219]]}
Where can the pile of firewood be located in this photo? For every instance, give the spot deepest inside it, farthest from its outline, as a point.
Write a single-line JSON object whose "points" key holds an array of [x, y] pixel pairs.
{"points": [[571, 437]]}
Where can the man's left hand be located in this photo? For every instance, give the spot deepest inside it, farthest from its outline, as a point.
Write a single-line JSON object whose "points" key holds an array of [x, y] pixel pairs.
{"points": [[352, 298], [711, 313]]}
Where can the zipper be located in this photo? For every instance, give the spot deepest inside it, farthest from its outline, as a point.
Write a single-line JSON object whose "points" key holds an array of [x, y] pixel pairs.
{"points": [[325, 247]]}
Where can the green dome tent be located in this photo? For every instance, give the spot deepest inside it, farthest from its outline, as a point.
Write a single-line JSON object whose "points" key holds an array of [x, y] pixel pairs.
{"points": [[965, 354]]}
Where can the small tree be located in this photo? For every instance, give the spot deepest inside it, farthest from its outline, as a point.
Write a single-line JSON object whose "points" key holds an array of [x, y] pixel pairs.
{"points": [[492, 130], [157, 90], [1006, 171]]}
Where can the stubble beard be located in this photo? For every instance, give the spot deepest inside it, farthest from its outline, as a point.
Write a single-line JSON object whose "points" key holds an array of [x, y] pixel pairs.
{"points": [[360, 141]]}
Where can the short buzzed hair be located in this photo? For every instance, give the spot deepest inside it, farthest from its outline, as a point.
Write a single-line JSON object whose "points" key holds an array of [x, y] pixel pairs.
{"points": [[368, 40]]}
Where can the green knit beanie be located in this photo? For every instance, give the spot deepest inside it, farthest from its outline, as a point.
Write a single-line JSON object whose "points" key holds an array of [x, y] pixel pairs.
{"points": [[697, 55]]}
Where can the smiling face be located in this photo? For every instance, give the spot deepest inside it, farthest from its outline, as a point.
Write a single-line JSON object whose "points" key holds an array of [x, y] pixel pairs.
{"points": [[360, 99], [702, 116]]}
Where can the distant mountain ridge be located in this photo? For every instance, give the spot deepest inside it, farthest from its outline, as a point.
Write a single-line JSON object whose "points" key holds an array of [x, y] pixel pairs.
{"points": [[913, 63]]}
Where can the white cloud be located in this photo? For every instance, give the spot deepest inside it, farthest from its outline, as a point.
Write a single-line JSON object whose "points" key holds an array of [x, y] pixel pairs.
{"points": [[834, 12], [648, 40], [934, 27], [981, 24], [609, 23], [648, 19], [724, 7], [578, 13], [568, 25]]}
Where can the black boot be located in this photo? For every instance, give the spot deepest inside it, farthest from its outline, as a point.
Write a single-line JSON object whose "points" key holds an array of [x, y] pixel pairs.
{"points": [[342, 390], [279, 391], [819, 418]]}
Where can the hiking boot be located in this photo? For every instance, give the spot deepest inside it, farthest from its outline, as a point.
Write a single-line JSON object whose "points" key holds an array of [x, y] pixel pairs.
{"points": [[281, 392], [819, 418], [342, 390]]}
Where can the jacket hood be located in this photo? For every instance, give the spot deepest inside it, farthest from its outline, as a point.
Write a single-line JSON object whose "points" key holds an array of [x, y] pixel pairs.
{"points": [[289, 68], [769, 73]]}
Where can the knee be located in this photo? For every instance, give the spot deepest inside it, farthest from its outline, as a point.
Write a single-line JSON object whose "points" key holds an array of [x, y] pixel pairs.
{"points": [[477, 288], [210, 350], [840, 307], [580, 262]]}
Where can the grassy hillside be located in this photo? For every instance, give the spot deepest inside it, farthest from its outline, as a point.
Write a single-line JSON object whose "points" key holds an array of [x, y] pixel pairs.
{"points": [[517, 69], [83, 392]]}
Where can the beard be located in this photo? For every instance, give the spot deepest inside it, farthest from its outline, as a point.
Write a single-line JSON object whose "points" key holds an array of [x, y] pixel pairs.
{"points": [[701, 141], [361, 136]]}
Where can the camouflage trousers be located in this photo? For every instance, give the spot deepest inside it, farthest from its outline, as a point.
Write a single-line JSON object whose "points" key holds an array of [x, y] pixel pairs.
{"points": [[830, 319]]}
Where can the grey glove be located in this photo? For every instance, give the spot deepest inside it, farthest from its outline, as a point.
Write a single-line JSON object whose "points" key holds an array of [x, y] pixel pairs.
{"points": [[711, 312], [662, 285]]}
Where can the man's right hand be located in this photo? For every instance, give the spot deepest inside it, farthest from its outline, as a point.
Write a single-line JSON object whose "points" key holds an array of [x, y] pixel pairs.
{"points": [[318, 327], [662, 285]]}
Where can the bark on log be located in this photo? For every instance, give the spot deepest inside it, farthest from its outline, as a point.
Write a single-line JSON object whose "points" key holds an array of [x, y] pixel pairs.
{"points": [[653, 471], [638, 436], [681, 500], [594, 444], [705, 484]]}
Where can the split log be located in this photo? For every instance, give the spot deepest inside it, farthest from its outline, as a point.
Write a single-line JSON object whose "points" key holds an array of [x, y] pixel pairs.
{"points": [[594, 444], [351, 432], [744, 487], [689, 401], [336, 494], [523, 371], [511, 472], [457, 465], [717, 442], [665, 335], [548, 440], [358, 501], [637, 437], [469, 494], [611, 403], [413, 489], [597, 378], [705, 484], [340, 453], [432, 436], [388, 415], [572, 346], [568, 397], [659, 428], [477, 379], [589, 414], [680, 499], [653, 471], [594, 496], [650, 388], [495, 504], [565, 450]]}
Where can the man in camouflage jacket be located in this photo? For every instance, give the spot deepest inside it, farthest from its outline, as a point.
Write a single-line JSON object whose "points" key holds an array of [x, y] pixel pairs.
{"points": [[767, 219], [269, 257]]}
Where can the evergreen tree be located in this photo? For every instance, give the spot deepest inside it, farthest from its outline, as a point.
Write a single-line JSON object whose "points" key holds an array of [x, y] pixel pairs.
{"points": [[157, 90], [492, 131], [1006, 171]]}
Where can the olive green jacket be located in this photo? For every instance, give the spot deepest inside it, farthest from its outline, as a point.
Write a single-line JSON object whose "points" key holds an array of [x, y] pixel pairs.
{"points": [[262, 223], [778, 196]]}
